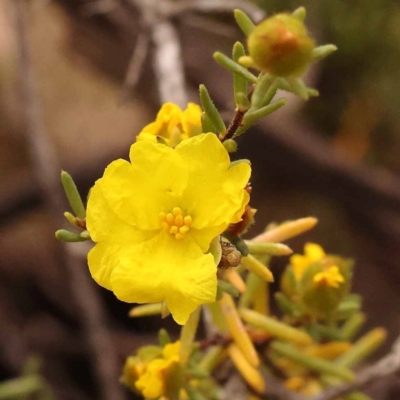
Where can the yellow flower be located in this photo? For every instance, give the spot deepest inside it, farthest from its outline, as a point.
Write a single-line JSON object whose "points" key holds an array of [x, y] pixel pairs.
{"points": [[153, 221], [330, 277], [152, 381], [173, 124], [312, 253]]}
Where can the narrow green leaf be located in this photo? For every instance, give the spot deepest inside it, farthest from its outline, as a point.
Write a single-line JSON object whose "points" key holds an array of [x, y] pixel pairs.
{"points": [[67, 236], [362, 348], [163, 337], [206, 124], [275, 327], [265, 248], [228, 288], [73, 196], [239, 81], [260, 93], [353, 325], [211, 110], [252, 284], [244, 22], [313, 363], [234, 67], [251, 117]]}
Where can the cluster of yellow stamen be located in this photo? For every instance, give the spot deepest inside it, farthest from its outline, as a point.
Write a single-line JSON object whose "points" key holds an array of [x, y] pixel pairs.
{"points": [[331, 277], [176, 223]]}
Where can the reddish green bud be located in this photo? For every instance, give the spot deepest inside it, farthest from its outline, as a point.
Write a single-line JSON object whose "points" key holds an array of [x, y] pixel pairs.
{"points": [[281, 46]]}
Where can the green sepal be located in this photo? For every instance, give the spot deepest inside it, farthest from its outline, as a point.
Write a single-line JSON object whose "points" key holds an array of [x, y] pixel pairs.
{"points": [[234, 67], [211, 110], [287, 306], [286, 85], [299, 87], [300, 13], [68, 236], [321, 52], [228, 288], [148, 353], [73, 195], [244, 22]]}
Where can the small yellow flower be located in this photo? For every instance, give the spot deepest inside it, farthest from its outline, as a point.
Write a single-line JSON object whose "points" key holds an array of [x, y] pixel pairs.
{"points": [[312, 253], [153, 221], [331, 277], [173, 124], [153, 379]]}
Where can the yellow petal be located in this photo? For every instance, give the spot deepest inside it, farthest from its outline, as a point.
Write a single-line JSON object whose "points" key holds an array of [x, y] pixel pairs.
{"points": [[191, 120], [314, 252], [215, 194], [167, 119], [152, 382], [164, 268], [105, 225], [137, 193]]}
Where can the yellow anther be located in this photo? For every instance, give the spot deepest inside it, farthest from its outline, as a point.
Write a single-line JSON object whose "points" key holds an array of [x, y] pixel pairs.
{"points": [[184, 229], [174, 229], [177, 211], [179, 220], [176, 223]]}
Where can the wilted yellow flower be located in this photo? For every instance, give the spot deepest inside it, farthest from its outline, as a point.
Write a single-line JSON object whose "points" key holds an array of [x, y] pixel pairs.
{"points": [[153, 379], [312, 253], [330, 277], [153, 220], [173, 124]]}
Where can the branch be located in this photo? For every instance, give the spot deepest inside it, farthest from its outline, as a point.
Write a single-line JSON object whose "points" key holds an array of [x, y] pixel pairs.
{"points": [[46, 170]]}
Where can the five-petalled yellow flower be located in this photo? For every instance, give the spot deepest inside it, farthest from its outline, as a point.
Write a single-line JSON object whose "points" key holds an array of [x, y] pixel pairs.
{"points": [[153, 220]]}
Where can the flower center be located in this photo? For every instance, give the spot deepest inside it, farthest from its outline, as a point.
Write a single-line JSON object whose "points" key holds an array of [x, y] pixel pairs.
{"points": [[176, 223]]}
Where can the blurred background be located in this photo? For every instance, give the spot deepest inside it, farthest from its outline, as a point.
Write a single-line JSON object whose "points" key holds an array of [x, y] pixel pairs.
{"points": [[336, 157]]}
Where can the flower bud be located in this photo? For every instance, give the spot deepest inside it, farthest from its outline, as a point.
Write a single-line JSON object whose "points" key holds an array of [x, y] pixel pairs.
{"points": [[281, 46], [324, 285]]}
